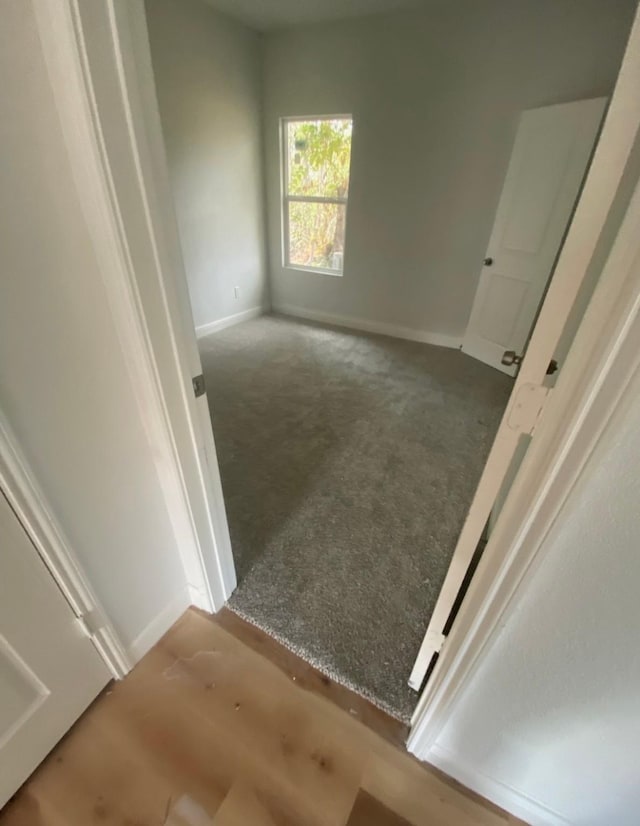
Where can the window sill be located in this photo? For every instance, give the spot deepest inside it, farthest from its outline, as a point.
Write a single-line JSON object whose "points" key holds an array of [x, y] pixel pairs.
{"points": [[317, 270]]}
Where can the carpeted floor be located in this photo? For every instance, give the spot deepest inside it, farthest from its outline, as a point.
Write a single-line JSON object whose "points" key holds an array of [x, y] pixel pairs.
{"points": [[348, 463]]}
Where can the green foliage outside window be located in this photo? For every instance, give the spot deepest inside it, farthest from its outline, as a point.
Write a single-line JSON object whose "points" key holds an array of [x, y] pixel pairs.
{"points": [[319, 154]]}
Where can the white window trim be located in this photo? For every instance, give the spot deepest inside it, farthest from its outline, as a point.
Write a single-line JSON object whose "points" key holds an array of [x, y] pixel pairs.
{"points": [[286, 199]]}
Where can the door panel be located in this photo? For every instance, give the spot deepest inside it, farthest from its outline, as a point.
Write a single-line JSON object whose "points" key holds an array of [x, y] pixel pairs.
{"points": [[502, 303], [49, 669], [609, 174], [549, 159]]}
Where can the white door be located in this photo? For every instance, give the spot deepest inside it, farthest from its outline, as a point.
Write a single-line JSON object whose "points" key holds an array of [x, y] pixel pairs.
{"points": [[548, 163], [530, 390], [49, 669]]}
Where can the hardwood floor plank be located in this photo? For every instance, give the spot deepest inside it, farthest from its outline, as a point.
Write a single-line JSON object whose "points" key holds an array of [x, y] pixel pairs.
{"points": [[423, 795], [367, 811], [207, 731]]}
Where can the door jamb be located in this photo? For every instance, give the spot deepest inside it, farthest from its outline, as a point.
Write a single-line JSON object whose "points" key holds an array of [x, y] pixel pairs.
{"points": [[619, 131], [604, 357], [201, 538], [188, 420]]}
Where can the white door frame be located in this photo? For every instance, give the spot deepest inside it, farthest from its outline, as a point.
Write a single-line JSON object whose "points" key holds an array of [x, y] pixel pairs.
{"points": [[619, 132], [603, 362], [172, 344], [175, 421], [603, 358]]}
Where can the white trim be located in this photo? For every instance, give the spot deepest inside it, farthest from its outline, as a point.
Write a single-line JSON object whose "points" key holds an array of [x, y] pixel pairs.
{"points": [[508, 798], [64, 49], [599, 192], [316, 270], [159, 625], [30, 506], [380, 327], [203, 590], [229, 321], [314, 199], [605, 357], [188, 419], [605, 352], [302, 118]]}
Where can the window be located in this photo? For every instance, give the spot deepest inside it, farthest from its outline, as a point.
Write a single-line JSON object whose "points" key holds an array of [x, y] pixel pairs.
{"points": [[316, 154]]}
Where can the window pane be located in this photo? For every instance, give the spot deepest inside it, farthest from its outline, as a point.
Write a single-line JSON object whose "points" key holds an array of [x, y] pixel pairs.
{"points": [[319, 153], [316, 235]]}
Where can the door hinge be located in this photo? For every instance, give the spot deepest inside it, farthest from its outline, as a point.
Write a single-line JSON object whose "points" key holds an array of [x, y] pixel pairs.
{"points": [[527, 407], [435, 641], [91, 622], [198, 385]]}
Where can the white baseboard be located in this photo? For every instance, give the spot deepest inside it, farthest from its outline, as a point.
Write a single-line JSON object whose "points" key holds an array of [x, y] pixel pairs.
{"points": [[159, 625], [228, 321], [408, 333], [503, 795]]}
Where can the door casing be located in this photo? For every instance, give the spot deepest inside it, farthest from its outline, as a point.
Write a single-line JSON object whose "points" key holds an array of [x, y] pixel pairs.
{"points": [[600, 362], [140, 261]]}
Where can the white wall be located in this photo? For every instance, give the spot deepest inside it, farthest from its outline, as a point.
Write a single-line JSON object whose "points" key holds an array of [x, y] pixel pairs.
{"points": [[64, 383], [552, 715], [208, 80], [435, 96]]}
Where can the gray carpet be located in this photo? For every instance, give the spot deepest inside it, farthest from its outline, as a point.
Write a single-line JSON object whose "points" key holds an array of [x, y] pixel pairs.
{"points": [[348, 463]]}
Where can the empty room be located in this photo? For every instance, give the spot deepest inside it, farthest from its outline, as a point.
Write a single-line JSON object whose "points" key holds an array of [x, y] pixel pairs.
{"points": [[370, 199]]}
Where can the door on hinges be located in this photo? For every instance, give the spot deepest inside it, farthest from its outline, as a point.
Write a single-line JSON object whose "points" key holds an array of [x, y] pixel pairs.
{"points": [[49, 669], [550, 157]]}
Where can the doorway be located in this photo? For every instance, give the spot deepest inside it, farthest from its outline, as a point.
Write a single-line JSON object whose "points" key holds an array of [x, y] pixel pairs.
{"points": [[300, 409], [349, 460], [340, 452]]}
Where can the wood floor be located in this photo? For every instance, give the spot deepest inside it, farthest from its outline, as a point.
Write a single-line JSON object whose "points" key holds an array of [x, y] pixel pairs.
{"points": [[207, 731]]}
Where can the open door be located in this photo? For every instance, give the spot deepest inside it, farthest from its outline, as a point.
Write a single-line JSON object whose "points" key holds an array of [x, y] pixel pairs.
{"points": [[530, 390], [548, 163]]}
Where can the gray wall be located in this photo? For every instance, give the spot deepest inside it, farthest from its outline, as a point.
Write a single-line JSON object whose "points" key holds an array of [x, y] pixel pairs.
{"points": [[553, 709], [65, 387], [208, 81], [435, 96]]}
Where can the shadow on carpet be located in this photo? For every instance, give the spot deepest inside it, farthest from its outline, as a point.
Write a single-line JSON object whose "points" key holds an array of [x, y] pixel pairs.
{"points": [[348, 463]]}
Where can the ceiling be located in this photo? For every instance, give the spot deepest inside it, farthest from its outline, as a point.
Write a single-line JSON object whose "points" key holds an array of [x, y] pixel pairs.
{"points": [[267, 15]]}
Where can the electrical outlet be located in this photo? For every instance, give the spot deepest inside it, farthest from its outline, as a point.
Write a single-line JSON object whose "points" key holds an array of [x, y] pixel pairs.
{"points": [[236, 292]]}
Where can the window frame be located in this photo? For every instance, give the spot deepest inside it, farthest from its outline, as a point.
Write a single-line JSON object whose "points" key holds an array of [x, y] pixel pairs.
{"points": [[286, 199]]}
